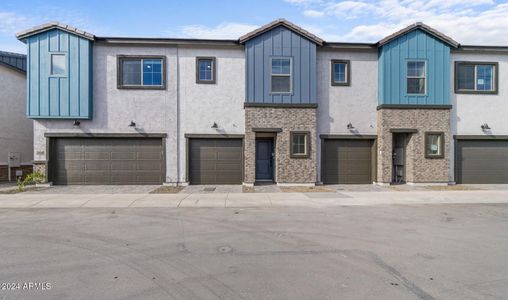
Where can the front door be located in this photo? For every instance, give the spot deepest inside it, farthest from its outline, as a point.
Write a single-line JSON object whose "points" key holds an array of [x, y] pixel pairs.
{"points": [[399, 158], [264, 161]]}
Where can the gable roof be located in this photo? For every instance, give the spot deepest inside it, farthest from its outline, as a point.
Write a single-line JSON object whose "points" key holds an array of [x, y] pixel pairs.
{"points": [[52, 25], [419, 25], [13, 61], [285, 23]]}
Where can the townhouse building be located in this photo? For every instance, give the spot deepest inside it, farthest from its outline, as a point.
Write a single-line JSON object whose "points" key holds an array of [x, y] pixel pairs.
{"points": [[278, 104]]}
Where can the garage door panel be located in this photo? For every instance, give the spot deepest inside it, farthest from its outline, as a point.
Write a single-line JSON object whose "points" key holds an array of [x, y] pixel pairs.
{"points": [[347, 161], [482, 161], [107, 161], [215, 161]]}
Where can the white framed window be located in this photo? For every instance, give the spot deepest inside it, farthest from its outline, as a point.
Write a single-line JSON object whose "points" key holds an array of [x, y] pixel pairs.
{"points": [[299, 143], [281, 75], [58, 64], [416, 74]]}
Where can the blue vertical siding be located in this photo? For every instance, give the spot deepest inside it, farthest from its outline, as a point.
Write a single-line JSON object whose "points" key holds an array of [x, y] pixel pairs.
{"points": [[59, 97], [393, 57], [280, 41]]}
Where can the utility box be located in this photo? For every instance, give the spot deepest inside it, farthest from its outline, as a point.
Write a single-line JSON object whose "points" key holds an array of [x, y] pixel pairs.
{"points": [[14, 159]]}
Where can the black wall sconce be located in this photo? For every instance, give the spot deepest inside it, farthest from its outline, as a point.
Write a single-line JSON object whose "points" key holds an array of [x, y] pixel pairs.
{"points": [[215, 126], [76, 123], [132, 124], [485, 127], [350, 126]]}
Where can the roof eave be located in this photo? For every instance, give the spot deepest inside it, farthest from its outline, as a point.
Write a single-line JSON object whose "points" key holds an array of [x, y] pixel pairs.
{"points": [[281, 22]]}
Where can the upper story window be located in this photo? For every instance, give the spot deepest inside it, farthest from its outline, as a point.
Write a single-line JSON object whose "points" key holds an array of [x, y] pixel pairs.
{"points": [[205, 69], [281, 75], [141, 72], [476, 77], [58, 64], [340, 72], [416, 76]]}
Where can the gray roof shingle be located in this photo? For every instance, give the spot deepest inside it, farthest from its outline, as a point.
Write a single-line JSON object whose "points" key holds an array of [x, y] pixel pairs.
{"points": [[13, 60], [48, 26], [419, 25]]}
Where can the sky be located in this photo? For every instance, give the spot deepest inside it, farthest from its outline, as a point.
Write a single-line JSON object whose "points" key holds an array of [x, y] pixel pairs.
{"points": [[470, 22]]}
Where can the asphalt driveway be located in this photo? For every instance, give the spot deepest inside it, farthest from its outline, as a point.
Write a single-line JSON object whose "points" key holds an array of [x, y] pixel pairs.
{"points": [[342, 252]]}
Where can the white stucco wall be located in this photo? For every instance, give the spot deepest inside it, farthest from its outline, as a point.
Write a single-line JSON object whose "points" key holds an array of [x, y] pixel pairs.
{"points": [[204, 104], [340, 105], [154, 111], [16, 134], [470, 111]]}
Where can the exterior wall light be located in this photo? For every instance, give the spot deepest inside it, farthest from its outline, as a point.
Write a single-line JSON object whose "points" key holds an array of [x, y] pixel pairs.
{"points": [[350, 126], [132, 124], [215, 126], [76, 123], [485, 127]]}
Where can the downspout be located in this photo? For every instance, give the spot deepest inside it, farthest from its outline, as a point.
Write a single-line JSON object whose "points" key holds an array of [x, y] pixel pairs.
{"points": [[178, 170]]}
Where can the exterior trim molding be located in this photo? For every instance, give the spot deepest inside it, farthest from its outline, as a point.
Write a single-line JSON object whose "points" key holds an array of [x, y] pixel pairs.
{"points": [[280, 105], [413, 106], [103, 135], [403, 130], [480, 137], [419, 25], [213, 136], [347, 136], [267, 129], [281, 22]]}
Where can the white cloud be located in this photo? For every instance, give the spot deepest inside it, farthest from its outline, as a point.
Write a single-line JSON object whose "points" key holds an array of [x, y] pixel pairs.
{"points": [[313, 13], [222, 31], [10, 22], [467, 21]]}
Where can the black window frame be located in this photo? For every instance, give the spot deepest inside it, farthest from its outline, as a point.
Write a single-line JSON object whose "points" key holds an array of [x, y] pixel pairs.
{"points": [[441, 144], [495, 81], [214, 72], [348, 72], [307, 141], [121, 58]]}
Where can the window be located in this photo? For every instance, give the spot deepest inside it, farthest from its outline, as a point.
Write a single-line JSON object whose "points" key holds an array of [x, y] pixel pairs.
{"points": [[416, 77], [476, 77], [205, 69], [281, 75], [299, 144], [141, 72], [434, 144], [58, 64], [340, 72]]}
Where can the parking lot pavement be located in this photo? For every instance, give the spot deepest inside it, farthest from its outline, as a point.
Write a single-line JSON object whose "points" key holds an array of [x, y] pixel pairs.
{"points": [[348, 252]]}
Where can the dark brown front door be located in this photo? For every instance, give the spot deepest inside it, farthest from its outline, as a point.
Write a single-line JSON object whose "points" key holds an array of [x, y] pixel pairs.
{"points": [[107, 161], [482, 161], [215, 161], [347, 161]]}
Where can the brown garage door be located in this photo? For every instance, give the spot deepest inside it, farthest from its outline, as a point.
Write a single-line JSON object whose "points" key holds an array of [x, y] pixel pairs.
{"points": [[215, 161], [482, 161], [347, 161], [107, 161]]}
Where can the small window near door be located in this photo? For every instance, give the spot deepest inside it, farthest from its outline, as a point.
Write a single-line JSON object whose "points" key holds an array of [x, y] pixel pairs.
{"points": [[340, 72], [475, 77], [205, 70], [434, 144], [416, 75], [300, 146]]}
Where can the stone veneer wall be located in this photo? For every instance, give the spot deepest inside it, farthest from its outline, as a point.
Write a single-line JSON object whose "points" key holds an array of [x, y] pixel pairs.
{"points": [[418, 168], [288, 170], [41, 167]]}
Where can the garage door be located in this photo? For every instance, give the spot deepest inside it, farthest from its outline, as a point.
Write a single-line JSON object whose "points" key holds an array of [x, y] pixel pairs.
{"points": [[107, 161], [347, 161], [482, 161], [215, 161]]}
